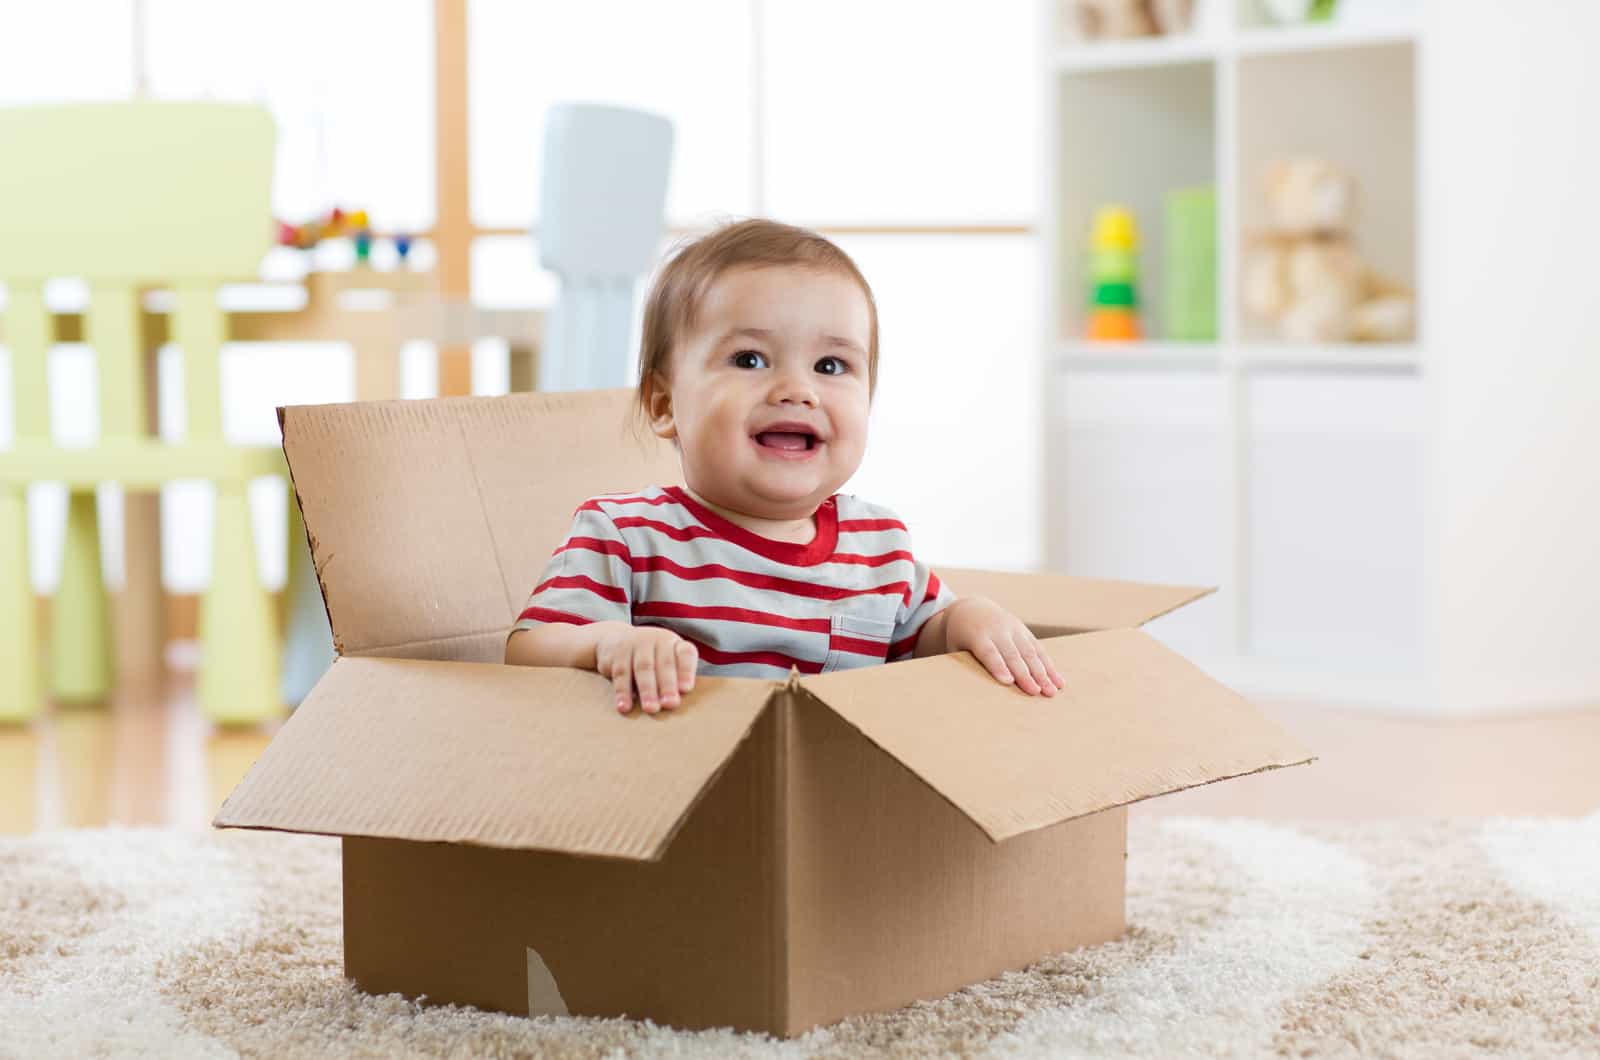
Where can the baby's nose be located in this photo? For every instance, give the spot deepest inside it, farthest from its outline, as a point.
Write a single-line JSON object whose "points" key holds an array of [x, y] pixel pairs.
{"points": [[792, 391]]}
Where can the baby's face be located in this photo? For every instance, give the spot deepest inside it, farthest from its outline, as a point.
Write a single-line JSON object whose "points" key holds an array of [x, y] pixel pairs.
{"points": [[769, 391]]}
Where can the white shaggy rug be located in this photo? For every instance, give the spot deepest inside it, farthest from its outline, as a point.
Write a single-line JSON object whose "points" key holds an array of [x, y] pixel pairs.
{"points": [[1423, 938]]}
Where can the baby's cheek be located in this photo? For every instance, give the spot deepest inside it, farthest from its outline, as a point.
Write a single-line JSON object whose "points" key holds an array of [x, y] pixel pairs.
{"points": [[851, 454]]}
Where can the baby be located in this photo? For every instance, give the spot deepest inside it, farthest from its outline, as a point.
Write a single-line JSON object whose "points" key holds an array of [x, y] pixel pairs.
{"points": [[758, 361]]}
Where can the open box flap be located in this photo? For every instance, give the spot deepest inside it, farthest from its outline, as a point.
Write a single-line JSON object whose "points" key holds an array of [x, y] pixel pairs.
{"points": [[1055, 604], [1134, 721], [430, 521], [502, 756]]}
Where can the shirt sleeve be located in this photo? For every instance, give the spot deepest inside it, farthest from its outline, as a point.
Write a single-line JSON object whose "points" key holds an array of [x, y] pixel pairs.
{"points": [[926, 598], [588, 579]]}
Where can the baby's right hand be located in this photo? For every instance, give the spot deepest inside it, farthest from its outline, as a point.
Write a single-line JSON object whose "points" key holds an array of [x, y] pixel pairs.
{"points": [[658, 661]]}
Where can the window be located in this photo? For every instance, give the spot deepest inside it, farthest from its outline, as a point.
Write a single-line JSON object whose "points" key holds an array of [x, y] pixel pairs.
{"points": [[905, 130]]}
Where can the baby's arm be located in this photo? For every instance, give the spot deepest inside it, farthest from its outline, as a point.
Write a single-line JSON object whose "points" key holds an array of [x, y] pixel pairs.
{"points": [[658, 661], [558, 644], [580, 615], [996, 638]]}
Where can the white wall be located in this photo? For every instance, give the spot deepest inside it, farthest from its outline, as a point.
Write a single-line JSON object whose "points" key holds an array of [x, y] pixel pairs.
{"points": [[955, 429], [1514, 226]]}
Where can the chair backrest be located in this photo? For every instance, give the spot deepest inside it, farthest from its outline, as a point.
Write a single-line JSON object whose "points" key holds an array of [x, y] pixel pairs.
{"points": [[138, 192], [128, 195], [601, 218]]}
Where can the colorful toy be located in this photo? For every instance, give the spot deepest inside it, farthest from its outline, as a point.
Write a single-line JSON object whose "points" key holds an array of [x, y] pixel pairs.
{"points": [[1114, 276], [1289, 12], [337, 224], [1190, 277]]}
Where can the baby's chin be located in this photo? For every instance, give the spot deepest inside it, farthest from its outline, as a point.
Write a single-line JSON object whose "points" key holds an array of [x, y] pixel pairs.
{"points": [[766, 502]]}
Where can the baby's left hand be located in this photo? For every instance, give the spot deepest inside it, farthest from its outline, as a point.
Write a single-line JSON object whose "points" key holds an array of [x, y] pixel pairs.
{"points": [[1005, 646]]}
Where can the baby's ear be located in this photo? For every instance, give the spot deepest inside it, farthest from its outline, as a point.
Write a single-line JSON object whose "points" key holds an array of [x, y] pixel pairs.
{"points": [[658, 406]]}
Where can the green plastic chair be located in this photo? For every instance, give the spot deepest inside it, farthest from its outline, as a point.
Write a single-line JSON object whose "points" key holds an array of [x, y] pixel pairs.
{"points": [[130, 196]]}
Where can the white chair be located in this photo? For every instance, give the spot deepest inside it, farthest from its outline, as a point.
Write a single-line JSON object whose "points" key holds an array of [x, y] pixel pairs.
{"points": [[601, 218]]}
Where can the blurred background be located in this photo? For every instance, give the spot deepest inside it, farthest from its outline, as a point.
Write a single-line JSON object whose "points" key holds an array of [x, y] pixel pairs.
{"points": [[1286, 297]]}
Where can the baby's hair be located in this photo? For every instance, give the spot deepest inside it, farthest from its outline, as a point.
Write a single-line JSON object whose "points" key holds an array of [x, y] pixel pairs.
{"points": [[694, 266]]}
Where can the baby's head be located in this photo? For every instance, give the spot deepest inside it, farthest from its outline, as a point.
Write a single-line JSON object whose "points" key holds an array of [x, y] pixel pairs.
{"points": [[758, 360]]}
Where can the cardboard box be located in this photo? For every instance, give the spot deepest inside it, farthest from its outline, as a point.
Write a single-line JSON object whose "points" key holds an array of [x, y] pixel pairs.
{"points": [[770, 856]]}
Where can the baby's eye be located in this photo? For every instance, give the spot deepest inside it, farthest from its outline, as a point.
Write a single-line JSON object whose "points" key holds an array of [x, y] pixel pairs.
{"points": [[749, 359], [832, 366]]}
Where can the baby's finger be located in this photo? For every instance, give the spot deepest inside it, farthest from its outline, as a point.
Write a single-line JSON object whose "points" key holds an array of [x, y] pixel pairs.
{"points": [[1019, 667], [667, 675], [1036, 667], [622, 687], [989, 655], [644, 676], [688, 658], [1050, 668]]}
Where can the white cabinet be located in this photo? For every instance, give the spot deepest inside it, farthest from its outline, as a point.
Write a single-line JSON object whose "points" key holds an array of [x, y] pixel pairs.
{"points": [[1335, 522], [1144, 453], [1411, 526]]}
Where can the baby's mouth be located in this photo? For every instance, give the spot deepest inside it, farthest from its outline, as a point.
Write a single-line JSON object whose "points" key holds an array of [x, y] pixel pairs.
{"points": [[793, 441]]}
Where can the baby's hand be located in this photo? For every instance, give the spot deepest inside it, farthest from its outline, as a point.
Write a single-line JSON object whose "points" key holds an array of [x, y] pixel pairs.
{"points": [[658, 661], [1005, 646]]}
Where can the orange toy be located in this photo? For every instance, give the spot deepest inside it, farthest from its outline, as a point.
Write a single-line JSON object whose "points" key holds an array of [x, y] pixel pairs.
{"points": [[1110, 324]]}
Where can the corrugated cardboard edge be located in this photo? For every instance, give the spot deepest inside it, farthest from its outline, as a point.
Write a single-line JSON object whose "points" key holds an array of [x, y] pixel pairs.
{"points": [[1055, 604], [805, 694], [255, 803], [222, 822], [311, 539], [1200, 593], [998, 837], [711, 780], [783, 701], [1301, 756], [319, 562], [502, 474]]}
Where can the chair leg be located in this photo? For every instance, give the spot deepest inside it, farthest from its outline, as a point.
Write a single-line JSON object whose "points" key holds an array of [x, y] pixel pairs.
{"points": [[140, 612], [20, 687], [238, 679], [81, 652], [553, 350], [524, 366]]}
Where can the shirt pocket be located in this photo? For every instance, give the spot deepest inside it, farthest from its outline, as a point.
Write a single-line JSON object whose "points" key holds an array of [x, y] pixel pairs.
{"points": [[855, 641]]}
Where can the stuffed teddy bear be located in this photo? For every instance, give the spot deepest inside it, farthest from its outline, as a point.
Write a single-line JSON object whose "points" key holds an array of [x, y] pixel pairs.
{"points": [[1305, 276], [1117, 19]]}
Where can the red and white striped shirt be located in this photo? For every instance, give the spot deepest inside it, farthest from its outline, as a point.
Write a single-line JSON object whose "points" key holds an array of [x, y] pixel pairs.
{"points": [[853, 596]]}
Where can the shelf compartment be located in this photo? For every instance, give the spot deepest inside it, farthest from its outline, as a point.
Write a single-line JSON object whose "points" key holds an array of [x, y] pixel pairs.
{"points": [[1128, 137], [1356, 107]]}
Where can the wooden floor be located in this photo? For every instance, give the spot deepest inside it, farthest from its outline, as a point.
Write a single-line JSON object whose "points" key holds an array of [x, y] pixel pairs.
{"points": [[150, 759]]}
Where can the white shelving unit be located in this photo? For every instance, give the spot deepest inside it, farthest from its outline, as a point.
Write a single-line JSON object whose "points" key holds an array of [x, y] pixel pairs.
{"points": [[1344, 498]]}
